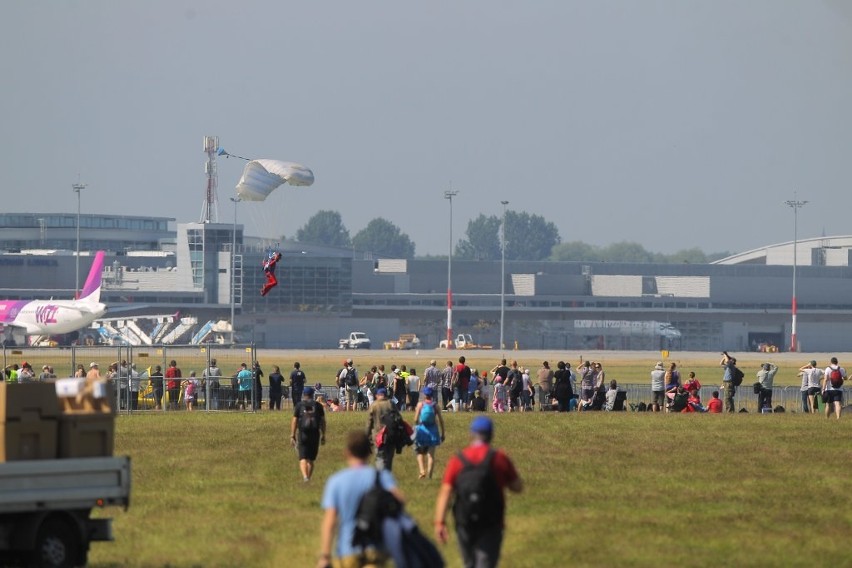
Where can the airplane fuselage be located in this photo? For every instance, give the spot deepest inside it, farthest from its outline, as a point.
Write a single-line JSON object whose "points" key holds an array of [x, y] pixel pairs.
{"points": [[49, 317]]}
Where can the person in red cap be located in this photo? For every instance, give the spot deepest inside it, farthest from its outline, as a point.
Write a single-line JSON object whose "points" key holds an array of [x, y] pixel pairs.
{"points": [[480, 504], [26, 374]]}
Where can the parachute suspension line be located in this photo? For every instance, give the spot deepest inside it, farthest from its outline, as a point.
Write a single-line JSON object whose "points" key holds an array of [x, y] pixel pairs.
{"points": [[222, 152]]}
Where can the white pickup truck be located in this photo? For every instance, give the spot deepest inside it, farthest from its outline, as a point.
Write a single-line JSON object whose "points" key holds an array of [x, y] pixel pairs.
{"points": [[45, 507], [356, 340]]}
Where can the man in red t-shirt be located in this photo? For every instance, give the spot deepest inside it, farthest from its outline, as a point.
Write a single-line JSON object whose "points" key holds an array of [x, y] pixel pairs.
{"points": [[479, 543], [173, 376], [461, 380], [715, 404]]}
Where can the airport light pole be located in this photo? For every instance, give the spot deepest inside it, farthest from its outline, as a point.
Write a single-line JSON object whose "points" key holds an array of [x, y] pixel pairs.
{"points": [[795, 204], [503, 274], [78, 188], [235, 200], [449, 194]]}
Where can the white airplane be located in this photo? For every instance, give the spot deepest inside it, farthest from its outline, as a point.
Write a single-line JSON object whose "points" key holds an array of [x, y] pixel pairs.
{"points": [[54, 317]]}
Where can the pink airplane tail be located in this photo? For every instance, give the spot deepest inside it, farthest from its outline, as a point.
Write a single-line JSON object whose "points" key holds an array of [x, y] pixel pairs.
{"points": [[92, 287]]}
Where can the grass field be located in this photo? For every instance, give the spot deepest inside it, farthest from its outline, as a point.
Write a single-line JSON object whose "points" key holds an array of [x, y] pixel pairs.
{"points": [[602, 489]]}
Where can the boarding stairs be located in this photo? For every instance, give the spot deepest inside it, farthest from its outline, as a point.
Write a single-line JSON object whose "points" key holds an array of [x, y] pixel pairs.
{"points": [[180, 329]]}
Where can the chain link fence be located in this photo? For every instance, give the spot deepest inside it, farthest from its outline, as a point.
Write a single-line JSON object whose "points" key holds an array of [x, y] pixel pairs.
{"points": [[138, 373]]}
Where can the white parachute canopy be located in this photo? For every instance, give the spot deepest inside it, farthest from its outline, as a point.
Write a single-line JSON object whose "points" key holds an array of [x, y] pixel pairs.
{"points": [[261, 177]]}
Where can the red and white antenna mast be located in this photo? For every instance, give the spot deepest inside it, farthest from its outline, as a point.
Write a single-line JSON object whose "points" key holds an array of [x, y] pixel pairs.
{"points": [[210, 209]]}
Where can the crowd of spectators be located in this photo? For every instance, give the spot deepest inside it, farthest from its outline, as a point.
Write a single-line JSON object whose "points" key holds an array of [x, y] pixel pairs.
{"points": [[506, 387]]}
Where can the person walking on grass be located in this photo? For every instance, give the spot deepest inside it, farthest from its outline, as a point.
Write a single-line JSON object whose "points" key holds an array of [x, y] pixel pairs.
{"points": [[479, 508], [340, 500], [377, 412], [307, 431], [832, 394], [427, 435]]}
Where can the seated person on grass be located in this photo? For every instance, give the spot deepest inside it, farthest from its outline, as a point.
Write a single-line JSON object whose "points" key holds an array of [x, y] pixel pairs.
{"points": [[680, 400], [693, 403], [478, 403], [715, 404]]}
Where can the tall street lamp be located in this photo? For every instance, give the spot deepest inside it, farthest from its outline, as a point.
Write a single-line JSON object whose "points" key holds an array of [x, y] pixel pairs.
{"points": [[449, 194], [235, 200], [503, 273], [795, 204], [78, 188]]}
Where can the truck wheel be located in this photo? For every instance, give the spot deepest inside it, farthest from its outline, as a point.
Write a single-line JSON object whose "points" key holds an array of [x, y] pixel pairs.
{"points": [[57, 545]]}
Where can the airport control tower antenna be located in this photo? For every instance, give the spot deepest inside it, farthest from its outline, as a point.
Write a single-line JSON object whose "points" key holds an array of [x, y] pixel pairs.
{"points": [[209, 211]]}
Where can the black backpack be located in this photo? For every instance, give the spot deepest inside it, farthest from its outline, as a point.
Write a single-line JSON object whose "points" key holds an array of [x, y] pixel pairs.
{"points": [[380, 513], [395, 432], [351, 379], [517, 382], [737, 376], [375, 506], [308, 419], [479, 501]]}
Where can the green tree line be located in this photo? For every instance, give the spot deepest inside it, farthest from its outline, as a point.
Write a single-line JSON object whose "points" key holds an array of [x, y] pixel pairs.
{"points": [[527, 237]]}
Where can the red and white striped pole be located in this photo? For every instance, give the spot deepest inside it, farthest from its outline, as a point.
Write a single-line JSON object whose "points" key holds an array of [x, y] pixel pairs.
{"points": [[796, 205]]}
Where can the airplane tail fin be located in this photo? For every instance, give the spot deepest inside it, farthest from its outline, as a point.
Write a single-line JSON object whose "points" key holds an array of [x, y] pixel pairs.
{"points": [[92, 289]]}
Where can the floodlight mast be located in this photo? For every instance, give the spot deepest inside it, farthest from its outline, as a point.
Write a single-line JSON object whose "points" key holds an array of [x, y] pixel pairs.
{"points": [[795, 204], [449, 194], [78, 188], [503, 273]]}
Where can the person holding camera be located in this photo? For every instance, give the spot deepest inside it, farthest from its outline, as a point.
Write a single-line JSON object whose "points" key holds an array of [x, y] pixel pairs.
{"points": [[765, 378], [730, 363]]}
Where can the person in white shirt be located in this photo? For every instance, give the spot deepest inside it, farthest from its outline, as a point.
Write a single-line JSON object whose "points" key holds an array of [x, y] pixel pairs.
{"points": [[413, 388], [811, 375]]}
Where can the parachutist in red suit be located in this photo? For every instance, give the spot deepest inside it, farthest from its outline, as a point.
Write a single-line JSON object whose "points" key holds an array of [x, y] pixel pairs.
{"points": [[269, 271]]}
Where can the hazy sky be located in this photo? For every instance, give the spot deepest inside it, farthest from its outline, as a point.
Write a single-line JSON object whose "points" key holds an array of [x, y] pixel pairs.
{"points": [[674, 124]]}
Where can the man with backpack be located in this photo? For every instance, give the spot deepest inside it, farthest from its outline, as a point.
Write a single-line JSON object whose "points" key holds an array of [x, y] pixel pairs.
{"points": [[380, 412], [832, 394], [341, 501], [732, 378], [516, 383], [307, 431], [348, 383], [476, 477]]}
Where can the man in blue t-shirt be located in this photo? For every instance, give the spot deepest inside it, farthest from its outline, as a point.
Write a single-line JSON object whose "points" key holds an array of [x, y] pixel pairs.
{"points": [[340, 500], [244, 380]]}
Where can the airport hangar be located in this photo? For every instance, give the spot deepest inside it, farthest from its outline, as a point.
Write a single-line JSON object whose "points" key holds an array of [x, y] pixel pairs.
{"points": [[157, 266]]}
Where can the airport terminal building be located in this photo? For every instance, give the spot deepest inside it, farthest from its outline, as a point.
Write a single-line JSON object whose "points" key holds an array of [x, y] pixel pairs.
{"points": [[738, 303]]}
